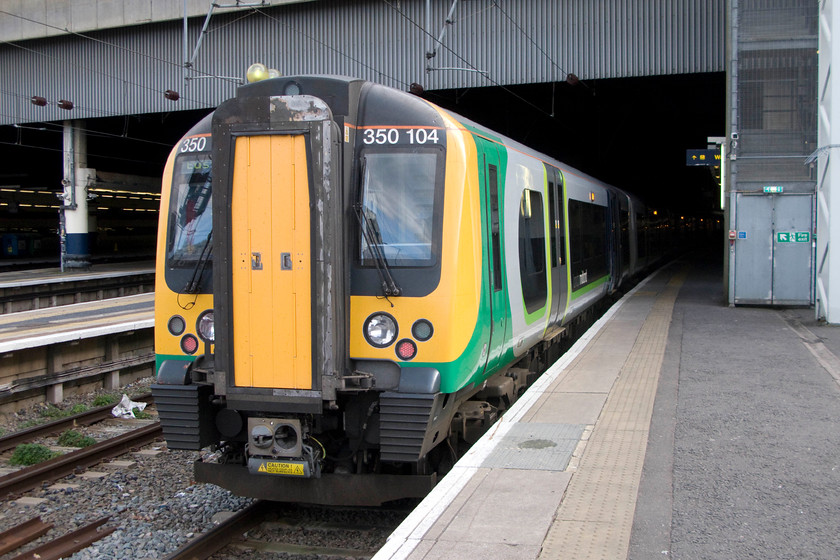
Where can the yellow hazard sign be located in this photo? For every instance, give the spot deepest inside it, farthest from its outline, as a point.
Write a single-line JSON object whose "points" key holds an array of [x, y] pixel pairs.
{"points": [[274, 467]]}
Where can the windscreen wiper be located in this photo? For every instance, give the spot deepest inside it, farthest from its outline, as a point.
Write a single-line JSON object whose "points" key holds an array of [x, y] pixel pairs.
{"points": [[370, 231], [194, 283]]}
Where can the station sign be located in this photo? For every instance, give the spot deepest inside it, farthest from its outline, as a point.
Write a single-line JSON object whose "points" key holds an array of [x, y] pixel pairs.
{"points": [[702, 157], [793, 237]]}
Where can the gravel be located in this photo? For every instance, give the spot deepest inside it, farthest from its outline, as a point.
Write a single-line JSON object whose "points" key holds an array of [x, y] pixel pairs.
{"points": [[155, 504]]}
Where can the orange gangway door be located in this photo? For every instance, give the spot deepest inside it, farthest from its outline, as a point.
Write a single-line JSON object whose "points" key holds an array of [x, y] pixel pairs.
{"points": [[271, 276]]}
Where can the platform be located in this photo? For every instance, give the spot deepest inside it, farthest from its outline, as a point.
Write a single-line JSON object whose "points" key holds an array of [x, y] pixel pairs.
{"points": [[18, 278], [26, 290], [42, 327], [677, 427]]}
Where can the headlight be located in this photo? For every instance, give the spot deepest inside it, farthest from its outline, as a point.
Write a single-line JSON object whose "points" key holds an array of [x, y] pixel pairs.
{"points": [[380, 330], [206, 327]]}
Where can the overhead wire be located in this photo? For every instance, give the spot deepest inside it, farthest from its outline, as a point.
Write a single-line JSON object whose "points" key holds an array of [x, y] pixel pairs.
{"points": [[94, 71], [486, 75], [101, 41], [330, 47], [158, 59], [197, 104], [169, 62], [527, 36], [48, 149], [277, 20], [88, 132]]}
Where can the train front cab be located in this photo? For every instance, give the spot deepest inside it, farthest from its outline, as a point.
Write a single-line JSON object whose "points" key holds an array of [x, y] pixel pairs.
{"points": [[287, 380], [183, 287]]}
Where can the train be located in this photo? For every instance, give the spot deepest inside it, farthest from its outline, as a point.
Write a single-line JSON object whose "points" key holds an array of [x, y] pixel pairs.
{"points": [[353, 283]]}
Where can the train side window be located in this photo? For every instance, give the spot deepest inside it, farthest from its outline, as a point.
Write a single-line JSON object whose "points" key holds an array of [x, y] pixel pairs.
{"points": [[641, 236], [495, 231], [532, 250], [588, 240], [625, 238]]}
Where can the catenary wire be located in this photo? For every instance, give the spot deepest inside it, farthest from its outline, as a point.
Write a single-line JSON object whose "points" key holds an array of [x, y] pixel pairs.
{"points": [[498, 5], [55, 127], [95, 71], [334, 49], [472, 67]]}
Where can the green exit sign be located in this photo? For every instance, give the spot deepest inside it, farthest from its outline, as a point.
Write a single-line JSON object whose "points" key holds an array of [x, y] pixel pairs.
{"points": [[774, 189], [793, 236]]}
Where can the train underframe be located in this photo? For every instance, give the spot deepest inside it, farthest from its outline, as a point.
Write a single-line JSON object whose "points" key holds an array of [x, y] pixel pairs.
{"points": [[349, 453]]}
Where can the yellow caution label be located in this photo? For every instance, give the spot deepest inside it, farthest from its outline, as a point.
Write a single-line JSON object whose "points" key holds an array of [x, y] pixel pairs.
{"points": [[273, 467]]}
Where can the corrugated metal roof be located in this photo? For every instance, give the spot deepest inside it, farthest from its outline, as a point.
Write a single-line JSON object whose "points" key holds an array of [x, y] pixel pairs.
{"points": [[501, 42]]}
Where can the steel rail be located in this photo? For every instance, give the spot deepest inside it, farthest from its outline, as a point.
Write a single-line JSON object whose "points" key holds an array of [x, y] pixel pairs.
{"points": [[82, 419], [303, 549], [30, 477], [22, 534], [66, 545], [205, 545]]}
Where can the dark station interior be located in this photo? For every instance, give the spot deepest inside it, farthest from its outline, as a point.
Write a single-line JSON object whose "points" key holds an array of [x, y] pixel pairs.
{"points": [[629, 132]]}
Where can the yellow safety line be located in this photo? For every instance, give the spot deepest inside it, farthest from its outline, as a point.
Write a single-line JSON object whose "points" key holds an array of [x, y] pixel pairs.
{"points": [[595, 517]]}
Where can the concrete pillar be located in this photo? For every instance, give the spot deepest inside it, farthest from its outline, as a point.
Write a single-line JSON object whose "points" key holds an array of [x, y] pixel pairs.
{"points": [[828, 171], [111, 380], [55, 393], [77, 177]]}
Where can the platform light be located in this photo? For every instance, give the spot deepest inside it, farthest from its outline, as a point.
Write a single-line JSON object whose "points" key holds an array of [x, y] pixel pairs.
{"points": [[273, 73], [256, 73]]}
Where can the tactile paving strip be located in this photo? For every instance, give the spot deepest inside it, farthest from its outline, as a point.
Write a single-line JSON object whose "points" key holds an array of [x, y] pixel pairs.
{"points": [[595, 518], [545, 447]]}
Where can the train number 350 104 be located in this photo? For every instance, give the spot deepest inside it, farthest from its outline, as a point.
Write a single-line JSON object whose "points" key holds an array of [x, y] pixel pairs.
{"points": [[400, 136]]}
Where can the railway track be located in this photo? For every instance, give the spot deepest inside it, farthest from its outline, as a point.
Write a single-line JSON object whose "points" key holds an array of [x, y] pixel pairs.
{"points": [[86, 418], [60, 547], [30, 477], [296, 531], [64, 545]]}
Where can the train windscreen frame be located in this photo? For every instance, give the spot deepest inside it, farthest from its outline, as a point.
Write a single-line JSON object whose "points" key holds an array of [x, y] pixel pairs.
{"points": [[190, 225], [398, 200]]}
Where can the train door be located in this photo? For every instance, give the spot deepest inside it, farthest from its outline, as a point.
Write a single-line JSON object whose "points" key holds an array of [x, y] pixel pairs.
{"points": [[271, 268], [614, 252], [557, 246], [495, 276]]}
